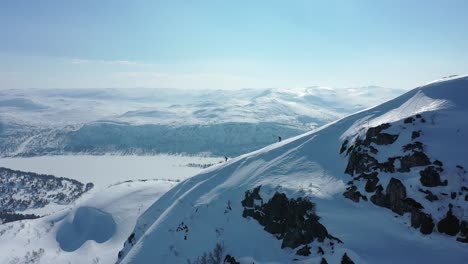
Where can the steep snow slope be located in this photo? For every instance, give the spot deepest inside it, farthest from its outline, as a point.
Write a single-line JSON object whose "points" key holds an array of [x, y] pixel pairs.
{"points": [[148, 121], [258, 207], [93, 231]]}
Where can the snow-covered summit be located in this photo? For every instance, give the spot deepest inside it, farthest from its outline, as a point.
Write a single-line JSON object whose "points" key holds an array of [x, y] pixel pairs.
{"points": [[385, 185]]}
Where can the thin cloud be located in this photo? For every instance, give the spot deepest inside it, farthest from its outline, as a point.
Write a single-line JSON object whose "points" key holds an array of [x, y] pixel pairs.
{"points": [[111, 62]]}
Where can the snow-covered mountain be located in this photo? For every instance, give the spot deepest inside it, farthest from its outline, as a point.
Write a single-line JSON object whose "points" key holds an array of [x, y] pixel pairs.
{"points": [[40, 121], [385, 185]]}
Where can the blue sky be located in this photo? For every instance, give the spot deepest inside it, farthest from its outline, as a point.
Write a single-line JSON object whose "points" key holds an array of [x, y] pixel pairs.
{"points": [[230, 44]]}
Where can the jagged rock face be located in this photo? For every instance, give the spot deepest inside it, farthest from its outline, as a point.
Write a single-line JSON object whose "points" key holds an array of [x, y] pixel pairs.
{"points": [[396, 193], [416, 159], [363, 165], [375, 135], [292, 220]]}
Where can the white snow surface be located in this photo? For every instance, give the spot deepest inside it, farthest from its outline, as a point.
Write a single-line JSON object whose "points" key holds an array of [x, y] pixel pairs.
{"points": [[310, 165], [105, 170], [92, 231]]}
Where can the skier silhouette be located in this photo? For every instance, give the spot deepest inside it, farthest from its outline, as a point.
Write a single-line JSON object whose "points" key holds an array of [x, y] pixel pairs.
{"points": [[279, 139]]}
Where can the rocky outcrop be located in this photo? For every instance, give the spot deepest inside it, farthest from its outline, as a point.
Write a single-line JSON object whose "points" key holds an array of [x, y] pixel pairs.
{"points": [[304, 251], [416, 159], [449, 225], [363, 165], [354, 195], [430, 177], [375, 135], [346, 260], [291, 220]]}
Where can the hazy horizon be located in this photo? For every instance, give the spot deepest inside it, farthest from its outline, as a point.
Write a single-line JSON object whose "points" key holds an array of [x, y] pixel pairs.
{"points": [[224, 45]]}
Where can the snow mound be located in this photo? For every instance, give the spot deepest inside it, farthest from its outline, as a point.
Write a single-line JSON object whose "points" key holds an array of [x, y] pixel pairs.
{"points": [[91, 232], [88, 224]]}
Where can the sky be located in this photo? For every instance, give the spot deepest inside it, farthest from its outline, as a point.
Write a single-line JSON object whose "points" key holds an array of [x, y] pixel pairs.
{"points": [[230, 44]]}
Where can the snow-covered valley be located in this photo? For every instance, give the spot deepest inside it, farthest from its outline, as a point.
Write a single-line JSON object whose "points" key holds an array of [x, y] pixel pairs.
{"points": [[384, 185], [105, 170], [151, 121]]}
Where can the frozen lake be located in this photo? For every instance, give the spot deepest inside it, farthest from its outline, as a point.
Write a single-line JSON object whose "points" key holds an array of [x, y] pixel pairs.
{"points": [[109, 169]]}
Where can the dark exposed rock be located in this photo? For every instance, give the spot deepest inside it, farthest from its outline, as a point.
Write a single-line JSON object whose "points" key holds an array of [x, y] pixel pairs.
{"points": [[438, 163], [464, 228], [373, 150], [396, 193], [344, 146], [320, 251], [414, 146], [408, 120], [415, 134], [423, 221], [304, 251], [387, 166], [371, 184], [427, 224], [453, 195], [250, 196], [416, 159], [429, 195], [292, 220], [463, 232], [131, 239], [379, 198], [230, 260], [353, 194], [323, 261], [418, 116], [450, 225], [346, 260], [375, 135], [359, 162], [431, 178]]}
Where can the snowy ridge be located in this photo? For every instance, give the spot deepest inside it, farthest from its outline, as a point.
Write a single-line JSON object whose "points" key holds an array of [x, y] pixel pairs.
{"points": [[232, 204], [42, 122]]}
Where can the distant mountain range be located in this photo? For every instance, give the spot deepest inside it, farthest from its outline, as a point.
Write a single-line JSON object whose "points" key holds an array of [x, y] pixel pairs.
{"points": [[146, 121]]}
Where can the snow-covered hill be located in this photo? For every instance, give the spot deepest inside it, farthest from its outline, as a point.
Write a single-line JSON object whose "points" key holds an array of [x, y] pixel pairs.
{"points": [[385, 185], [36, 193], [148, 121], [92, 231]]}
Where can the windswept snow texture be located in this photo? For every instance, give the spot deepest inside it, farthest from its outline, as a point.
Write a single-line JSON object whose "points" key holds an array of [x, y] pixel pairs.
{"points": [[148, 121], [206, 209], [88, 224], [92, 231]]}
